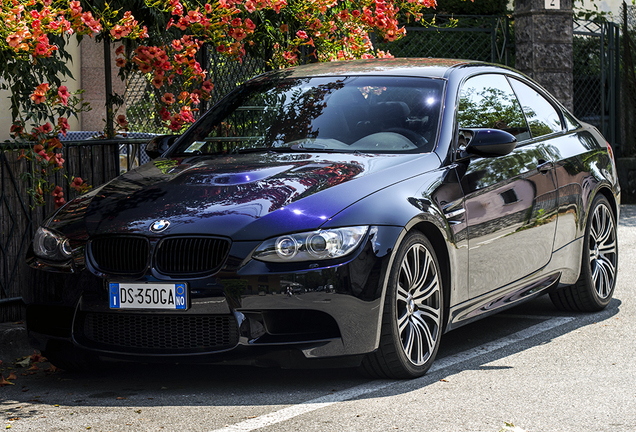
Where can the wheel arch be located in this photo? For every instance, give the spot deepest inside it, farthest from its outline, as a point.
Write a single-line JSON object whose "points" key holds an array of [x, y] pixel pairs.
{"points": [[430, 224], [607, 193], [584, 294], [434, 234], [426, 224]]}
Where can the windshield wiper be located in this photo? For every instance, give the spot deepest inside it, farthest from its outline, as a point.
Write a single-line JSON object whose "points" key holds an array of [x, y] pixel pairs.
{"points": [[309, 146], [293, 149], [263, 149], [320, 148]]}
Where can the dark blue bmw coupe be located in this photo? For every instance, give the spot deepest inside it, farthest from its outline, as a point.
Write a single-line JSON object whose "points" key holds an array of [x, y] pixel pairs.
{"points": [[346, 213]]}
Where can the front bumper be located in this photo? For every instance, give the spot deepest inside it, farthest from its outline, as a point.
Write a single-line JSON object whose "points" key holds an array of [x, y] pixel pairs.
{"points": [[247, 312]]}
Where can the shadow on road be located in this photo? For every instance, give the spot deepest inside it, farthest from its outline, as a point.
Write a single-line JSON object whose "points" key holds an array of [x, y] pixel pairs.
{"points": [[129, 384]]}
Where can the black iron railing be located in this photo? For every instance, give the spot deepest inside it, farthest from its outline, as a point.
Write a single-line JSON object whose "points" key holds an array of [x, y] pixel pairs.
{"points": [[95, 161], [472, 37], [596, 79]]}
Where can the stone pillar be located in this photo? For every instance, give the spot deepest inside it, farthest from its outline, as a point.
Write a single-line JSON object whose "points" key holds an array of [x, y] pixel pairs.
{"points": [[543, 34], [94, 83]]}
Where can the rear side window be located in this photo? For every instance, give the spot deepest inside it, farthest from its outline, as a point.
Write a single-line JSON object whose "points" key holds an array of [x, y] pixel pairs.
{"points": [[487, 101], [542, 117]]}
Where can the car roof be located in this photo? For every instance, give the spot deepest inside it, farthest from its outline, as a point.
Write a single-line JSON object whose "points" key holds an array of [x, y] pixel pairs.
{"points": [[420, 67]]}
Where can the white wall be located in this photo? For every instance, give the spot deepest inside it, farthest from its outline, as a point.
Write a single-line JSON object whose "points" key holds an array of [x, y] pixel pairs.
{"points": [[5, 103], [612, 6]]}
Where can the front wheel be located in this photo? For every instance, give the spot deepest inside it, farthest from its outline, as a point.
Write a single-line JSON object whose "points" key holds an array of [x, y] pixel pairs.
{"points": [[412, 316], [595, 287]]}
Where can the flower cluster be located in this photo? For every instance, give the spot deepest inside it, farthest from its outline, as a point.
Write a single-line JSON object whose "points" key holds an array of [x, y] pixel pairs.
{"points": [[28, 25], [39, 95], [45, 146], [41, 107], [340, 31], [30, 36], [28, 28], [58, 193], [128, 27], [284, 32], [326, 30], [172, 68]]}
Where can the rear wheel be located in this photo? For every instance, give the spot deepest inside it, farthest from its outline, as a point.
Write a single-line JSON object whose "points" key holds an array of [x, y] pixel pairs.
{"points": [[595, 287], [412, 316]]}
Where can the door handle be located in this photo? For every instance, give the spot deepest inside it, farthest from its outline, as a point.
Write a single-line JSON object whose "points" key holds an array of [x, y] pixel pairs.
{"points": [[544, 166], [452, 214]]}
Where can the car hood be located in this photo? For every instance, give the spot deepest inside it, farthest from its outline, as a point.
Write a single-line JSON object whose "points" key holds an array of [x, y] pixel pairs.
{"points": [[245, 197]]}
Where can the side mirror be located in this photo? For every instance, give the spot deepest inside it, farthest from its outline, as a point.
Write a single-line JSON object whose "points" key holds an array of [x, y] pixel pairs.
{"points": [[488, 143], [159, 144]]}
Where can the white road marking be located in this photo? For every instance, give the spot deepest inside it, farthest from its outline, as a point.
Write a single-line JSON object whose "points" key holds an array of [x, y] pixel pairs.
{"points": [[499, 343], [351, 393], [518, 316]]}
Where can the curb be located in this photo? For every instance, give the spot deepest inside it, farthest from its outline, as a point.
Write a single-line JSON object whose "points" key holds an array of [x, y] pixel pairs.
{"points": [[14, 342]]}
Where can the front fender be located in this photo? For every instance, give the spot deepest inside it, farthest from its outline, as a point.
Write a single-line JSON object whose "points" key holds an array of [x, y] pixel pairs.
{"points": [[420, 203]]}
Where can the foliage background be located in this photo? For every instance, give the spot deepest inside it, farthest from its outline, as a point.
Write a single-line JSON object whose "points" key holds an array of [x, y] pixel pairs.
{"points": [[461, 7]]}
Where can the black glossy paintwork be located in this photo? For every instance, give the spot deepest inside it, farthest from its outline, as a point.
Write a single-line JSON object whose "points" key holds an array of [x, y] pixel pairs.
{"points": [[504, 228], [491, 143], [511, 213], [236, 196]]}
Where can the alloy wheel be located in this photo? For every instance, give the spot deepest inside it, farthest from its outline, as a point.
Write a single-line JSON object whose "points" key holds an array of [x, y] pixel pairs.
{"points": [[602, 244], [418, 304]]}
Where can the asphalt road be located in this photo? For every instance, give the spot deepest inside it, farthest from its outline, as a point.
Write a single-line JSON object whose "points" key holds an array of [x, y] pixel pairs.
{"points": [[532, 366]]}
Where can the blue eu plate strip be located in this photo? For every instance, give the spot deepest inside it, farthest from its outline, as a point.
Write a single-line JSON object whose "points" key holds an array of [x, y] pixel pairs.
{"points": [[114, 295], [180, 296]]}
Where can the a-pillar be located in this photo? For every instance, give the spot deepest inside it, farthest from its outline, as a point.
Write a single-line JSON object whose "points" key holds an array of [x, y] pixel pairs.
{"points": [[543, 37]]}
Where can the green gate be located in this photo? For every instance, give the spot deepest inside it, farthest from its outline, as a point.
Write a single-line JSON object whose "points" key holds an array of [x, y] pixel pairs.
{"points": [[596, 58], [628, 88]]}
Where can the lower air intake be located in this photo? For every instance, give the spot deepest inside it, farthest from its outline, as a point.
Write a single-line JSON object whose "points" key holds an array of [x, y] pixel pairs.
{"points": [[160, 333]]}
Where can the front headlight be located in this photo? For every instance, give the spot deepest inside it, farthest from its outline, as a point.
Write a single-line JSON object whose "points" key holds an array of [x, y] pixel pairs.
{"points": [[311, 246], [51, 245]]}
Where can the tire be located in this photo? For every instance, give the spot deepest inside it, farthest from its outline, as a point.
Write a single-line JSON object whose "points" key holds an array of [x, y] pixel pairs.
{"points": [[413, 313], [595, 286]]}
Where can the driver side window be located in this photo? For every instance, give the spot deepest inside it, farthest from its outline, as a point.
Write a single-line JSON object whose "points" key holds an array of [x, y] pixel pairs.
{"points": [[487, 101]]}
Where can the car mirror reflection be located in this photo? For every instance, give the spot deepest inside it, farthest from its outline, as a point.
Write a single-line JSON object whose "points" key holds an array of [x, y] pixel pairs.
{"points": [[159, 144]]}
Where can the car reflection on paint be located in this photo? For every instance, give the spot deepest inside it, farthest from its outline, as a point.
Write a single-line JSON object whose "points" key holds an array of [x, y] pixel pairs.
{"points": [[343, 214]]}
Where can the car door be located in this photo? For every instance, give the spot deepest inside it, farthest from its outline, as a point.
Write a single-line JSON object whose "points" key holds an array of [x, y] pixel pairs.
{"points": [[565, 150], [510, 200]]}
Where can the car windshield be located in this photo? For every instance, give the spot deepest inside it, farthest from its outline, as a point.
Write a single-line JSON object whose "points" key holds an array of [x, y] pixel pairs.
{"points": [[335, 114]]}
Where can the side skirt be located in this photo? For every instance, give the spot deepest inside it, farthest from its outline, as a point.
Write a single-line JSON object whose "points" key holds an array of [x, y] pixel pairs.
{"points": [[563, 268], [499, 300]]}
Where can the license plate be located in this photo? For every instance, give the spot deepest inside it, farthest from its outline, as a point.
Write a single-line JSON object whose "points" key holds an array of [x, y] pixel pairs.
{"points": [[148, 296]]}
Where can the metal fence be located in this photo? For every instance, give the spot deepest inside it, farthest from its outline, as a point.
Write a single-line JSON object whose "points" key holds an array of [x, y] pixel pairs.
{"points": [[628, 84], [95, 161], [471, 37], [596, 76]]}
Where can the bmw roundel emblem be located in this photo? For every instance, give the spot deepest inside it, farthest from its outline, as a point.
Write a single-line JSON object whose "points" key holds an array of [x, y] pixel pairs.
{"points": [[160, 225]]}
